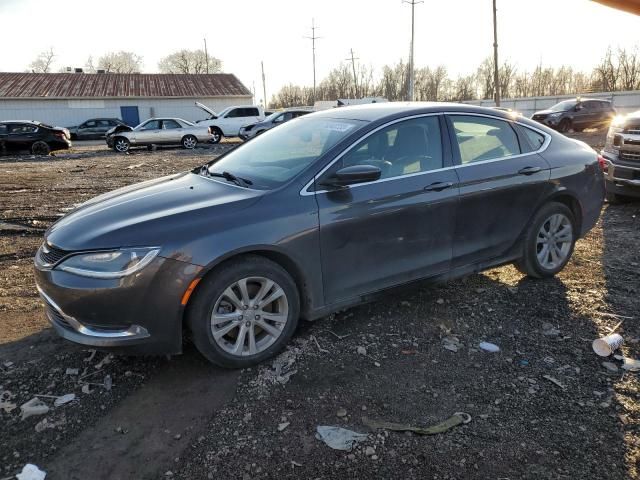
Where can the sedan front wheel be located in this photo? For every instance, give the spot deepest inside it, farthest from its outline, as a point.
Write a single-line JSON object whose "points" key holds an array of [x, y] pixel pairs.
{"points": [[121, 145], [244, 312]]}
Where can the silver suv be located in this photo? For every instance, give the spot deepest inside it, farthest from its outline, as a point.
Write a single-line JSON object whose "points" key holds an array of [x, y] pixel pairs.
{"points": [[622, 154], [273, 120]]}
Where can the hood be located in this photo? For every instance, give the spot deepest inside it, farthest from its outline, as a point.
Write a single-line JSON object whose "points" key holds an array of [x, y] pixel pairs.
{"points": [[164, 212], [207, 109], [118, 128], [544, 112]]}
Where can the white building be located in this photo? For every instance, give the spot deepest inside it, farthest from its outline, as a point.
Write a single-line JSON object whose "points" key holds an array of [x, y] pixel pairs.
{"points": [[66, 99]]}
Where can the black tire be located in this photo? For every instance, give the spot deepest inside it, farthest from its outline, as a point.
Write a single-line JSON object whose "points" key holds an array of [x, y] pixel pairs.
{"points": [[529, 263], [211, 288], [217, 135], [564, 126], [121, 144], [40, 148], [189, 142]]}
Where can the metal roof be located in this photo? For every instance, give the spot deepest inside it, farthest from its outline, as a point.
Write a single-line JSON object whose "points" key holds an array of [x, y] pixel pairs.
{"points": [[117, 85]]}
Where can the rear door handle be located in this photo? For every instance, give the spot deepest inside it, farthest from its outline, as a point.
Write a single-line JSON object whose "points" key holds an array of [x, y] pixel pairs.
{"points": [[438, 186], [529, 170]]}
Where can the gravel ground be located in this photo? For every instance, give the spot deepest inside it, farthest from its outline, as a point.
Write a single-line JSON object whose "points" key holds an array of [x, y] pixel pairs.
{"points": [[544, 406]]}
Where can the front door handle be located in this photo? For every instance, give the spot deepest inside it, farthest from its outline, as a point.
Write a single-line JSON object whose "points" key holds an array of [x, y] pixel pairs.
{"points": [[438, 186], [529, 170]]}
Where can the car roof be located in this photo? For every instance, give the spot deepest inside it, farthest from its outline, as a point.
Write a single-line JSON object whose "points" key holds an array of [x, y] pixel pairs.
{"points": [[32, 122], [376, 111]]}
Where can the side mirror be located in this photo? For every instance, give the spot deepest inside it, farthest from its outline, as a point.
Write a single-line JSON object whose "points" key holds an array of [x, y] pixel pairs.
{"points": [[578, 107], [353, 175]]}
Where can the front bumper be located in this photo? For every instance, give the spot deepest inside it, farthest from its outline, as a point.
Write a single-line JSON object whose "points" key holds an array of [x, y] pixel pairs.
{"points": [[622, 179], [137, 314], [549, 122]]}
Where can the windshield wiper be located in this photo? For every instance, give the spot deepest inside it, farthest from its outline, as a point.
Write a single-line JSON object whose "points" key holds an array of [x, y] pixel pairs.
{"points": [[243, 182]]}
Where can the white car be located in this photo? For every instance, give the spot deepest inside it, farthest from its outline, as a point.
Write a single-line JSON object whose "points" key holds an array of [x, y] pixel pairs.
{"points": [[229, 121], [158, 131]]}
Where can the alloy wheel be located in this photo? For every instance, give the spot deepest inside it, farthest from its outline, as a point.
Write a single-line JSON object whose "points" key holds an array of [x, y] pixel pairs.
{"points": [[215, 136], [249, 316], [189, 142], [554, 240], [122, 145]]}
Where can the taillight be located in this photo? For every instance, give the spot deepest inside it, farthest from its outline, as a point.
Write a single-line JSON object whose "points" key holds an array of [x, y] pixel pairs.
{"points": [[603, 163], [59, 134]]}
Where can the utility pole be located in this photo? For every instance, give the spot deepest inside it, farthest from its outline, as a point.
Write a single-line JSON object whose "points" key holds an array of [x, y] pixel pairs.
{"points": [[411, 76], [496, 76], [264, 86], [206, 54], [355, 76], [313, 39]]}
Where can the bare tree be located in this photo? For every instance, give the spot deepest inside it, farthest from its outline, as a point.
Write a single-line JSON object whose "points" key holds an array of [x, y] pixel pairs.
{"points": [[606, 73], [189, 61], [43, 63], [120, 62], [629, 66]]}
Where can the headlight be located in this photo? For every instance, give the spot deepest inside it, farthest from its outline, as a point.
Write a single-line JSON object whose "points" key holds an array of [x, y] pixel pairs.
{"points": [[109, 264], [555, 115]]}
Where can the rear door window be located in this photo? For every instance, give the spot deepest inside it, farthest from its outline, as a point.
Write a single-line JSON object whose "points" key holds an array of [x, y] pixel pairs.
{"points": [[482, 138], [169, 124], [22, 128]]}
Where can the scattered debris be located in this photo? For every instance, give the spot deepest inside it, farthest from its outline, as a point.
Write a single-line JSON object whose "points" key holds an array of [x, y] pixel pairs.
{"points": [[605, 346], [72, 371], [105, 361], [322, 350], [35, 406], [90, 357], [612, 367], [45, 424], [556, 381], [339, 438], [631, 364], [454, 420], [549, 330], [31, 472], [369, 451], [339, 337], [342, 412], [107, 382], [451, 343], [489, 347], [135, 165], [8, 407], [69, 397], [87, 388], [361, 351], [283, 426]]}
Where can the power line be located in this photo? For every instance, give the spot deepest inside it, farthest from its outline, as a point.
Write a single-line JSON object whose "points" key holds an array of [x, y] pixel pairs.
{"points": [[411, 79], [313, 39], [355, 77]]}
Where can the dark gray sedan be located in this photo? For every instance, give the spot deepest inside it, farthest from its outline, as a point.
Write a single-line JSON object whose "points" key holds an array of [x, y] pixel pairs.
{"points": [[311, 217]]}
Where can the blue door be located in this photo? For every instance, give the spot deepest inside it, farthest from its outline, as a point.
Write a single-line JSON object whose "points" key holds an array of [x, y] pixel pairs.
{"points": [[130, 115]]}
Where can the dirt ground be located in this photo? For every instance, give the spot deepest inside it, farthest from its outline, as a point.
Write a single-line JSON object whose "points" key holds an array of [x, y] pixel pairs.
{"points": [[543, 407]]}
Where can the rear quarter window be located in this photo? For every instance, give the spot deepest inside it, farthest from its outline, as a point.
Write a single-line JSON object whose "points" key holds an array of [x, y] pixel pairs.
{"points": [[533, 140]]}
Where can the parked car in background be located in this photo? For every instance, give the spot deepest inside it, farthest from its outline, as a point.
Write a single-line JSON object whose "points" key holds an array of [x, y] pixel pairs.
{"points": [[273, 120], [315, 216], [94, 128], [577, 114], [30, 136], [158, 131], [622, 154], [228, 122]]}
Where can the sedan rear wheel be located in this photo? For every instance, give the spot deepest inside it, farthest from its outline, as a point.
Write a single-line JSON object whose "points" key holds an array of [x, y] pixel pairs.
{"points": [[189, 142], [121, 145], [40, 148], [244, 312], [549, 241]]}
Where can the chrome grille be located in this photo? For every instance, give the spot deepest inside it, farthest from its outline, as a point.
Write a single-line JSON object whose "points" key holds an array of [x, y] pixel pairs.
{"points": [[627, 155], [51, 255]]}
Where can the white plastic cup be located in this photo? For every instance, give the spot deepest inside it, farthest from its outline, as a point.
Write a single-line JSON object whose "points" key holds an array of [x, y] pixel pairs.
{"points": [[605, 346]]}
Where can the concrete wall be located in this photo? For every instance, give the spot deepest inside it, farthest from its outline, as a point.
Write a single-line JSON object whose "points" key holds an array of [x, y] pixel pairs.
{"points": [[623, 102], [67, 113]]}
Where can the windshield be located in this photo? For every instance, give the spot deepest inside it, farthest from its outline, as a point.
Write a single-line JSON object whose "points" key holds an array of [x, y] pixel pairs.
{"points": [[272, 116], [276, 156], [563, 106]]}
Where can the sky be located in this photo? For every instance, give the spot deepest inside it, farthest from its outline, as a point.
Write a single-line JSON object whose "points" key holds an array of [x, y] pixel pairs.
{"points": [[455, 33]]}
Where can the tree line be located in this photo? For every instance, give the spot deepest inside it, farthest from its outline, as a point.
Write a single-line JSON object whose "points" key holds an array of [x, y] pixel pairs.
{"points": [[183, 61], [617, 71]]}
